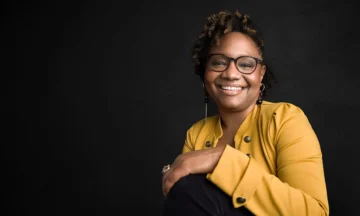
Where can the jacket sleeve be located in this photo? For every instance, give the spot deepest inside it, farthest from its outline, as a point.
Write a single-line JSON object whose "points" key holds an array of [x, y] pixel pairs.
{"points": [[298, 188]]}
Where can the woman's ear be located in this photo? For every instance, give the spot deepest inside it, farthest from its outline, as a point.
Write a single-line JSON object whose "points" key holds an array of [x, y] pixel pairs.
{"points": [[262, 72], [205, 92]]}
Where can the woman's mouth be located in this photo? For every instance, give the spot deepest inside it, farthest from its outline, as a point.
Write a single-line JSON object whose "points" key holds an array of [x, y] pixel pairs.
{"points": [[231, 90]]}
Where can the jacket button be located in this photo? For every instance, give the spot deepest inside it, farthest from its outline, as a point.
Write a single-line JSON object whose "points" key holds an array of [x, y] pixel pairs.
{"points": [[248, 154], [247, 139], [208, 144], [240, 200]]}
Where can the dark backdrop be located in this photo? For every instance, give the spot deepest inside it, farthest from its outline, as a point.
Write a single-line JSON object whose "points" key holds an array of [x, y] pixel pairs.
{"points": [[99, 95]]}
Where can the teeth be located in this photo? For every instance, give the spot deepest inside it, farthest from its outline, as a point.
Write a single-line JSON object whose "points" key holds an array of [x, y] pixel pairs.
{"points": [[231, 88]]}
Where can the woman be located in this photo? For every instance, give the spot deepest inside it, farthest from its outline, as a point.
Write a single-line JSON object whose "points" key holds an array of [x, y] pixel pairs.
{"points": [[255, 157]]}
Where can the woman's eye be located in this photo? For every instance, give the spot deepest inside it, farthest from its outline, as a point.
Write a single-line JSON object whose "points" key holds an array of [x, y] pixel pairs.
{"points": [[218, 63], [245, 65]]}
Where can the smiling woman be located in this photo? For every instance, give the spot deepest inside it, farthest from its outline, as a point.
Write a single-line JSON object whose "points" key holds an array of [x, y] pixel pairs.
{"points": [[255, 157], [232, 76]]}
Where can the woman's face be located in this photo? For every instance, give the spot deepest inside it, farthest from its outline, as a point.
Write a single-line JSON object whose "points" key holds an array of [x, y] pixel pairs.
{"points": [[231, 89]]}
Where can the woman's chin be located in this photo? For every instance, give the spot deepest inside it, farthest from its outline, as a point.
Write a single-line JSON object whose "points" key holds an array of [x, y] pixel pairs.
{"points": [[233, 105]]}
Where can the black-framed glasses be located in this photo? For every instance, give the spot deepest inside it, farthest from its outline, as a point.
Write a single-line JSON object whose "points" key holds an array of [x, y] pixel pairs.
{"points": [[244, 64]]}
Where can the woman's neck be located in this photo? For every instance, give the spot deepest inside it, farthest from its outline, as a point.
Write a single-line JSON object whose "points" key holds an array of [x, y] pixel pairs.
{"points": [[231, 120]]}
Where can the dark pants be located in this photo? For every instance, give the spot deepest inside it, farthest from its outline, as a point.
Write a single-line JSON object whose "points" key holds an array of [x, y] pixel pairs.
{"points": [[195, 195]]}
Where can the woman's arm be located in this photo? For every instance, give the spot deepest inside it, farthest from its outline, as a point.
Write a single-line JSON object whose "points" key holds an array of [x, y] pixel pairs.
{"points": [[299, 186]]}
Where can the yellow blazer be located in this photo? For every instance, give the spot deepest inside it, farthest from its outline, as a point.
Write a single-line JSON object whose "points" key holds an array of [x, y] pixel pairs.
{"points": [[276, 165]]}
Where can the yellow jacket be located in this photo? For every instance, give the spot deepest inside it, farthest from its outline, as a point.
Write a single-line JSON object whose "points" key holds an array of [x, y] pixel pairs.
{"points": [[283, 175]]}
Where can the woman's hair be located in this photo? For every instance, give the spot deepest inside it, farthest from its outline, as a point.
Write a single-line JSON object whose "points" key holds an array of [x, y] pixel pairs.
{"points": [[219, 24]]}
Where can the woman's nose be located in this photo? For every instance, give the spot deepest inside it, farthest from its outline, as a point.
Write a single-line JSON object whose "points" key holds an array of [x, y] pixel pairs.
{"points": [[232, 72]]}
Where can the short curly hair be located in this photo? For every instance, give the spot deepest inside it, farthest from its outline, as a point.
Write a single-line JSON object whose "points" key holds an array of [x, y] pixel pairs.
{"points": [[219, 24]]}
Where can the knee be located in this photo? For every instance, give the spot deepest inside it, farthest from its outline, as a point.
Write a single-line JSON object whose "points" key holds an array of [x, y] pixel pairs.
{"points": [[190, 183], [190, 180]]}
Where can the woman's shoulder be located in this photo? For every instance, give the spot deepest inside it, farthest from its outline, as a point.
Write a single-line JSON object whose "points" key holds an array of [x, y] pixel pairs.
{"points": [[280, 109], [209, 121], [207, 124]]}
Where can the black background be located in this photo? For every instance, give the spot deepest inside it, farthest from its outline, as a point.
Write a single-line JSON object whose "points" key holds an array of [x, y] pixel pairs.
{"points": [[99, 95]]}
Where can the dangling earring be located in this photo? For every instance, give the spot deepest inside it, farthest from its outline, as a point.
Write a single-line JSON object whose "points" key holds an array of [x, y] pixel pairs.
{"points": [[206, 100], [262, 88]]}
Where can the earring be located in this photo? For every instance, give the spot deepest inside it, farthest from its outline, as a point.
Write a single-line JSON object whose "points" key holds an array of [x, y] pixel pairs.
{"points": [[262, 88], [206, 100]]}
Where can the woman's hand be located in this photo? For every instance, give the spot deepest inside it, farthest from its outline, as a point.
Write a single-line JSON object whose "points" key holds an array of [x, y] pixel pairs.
{"points": [[194, 162]]}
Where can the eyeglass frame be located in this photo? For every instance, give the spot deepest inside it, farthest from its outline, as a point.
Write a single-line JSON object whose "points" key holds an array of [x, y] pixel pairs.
{"points": [[258, 61]]}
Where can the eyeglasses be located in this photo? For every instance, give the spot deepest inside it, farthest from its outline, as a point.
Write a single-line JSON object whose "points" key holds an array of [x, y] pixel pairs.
{"points": [[244, 64]]}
